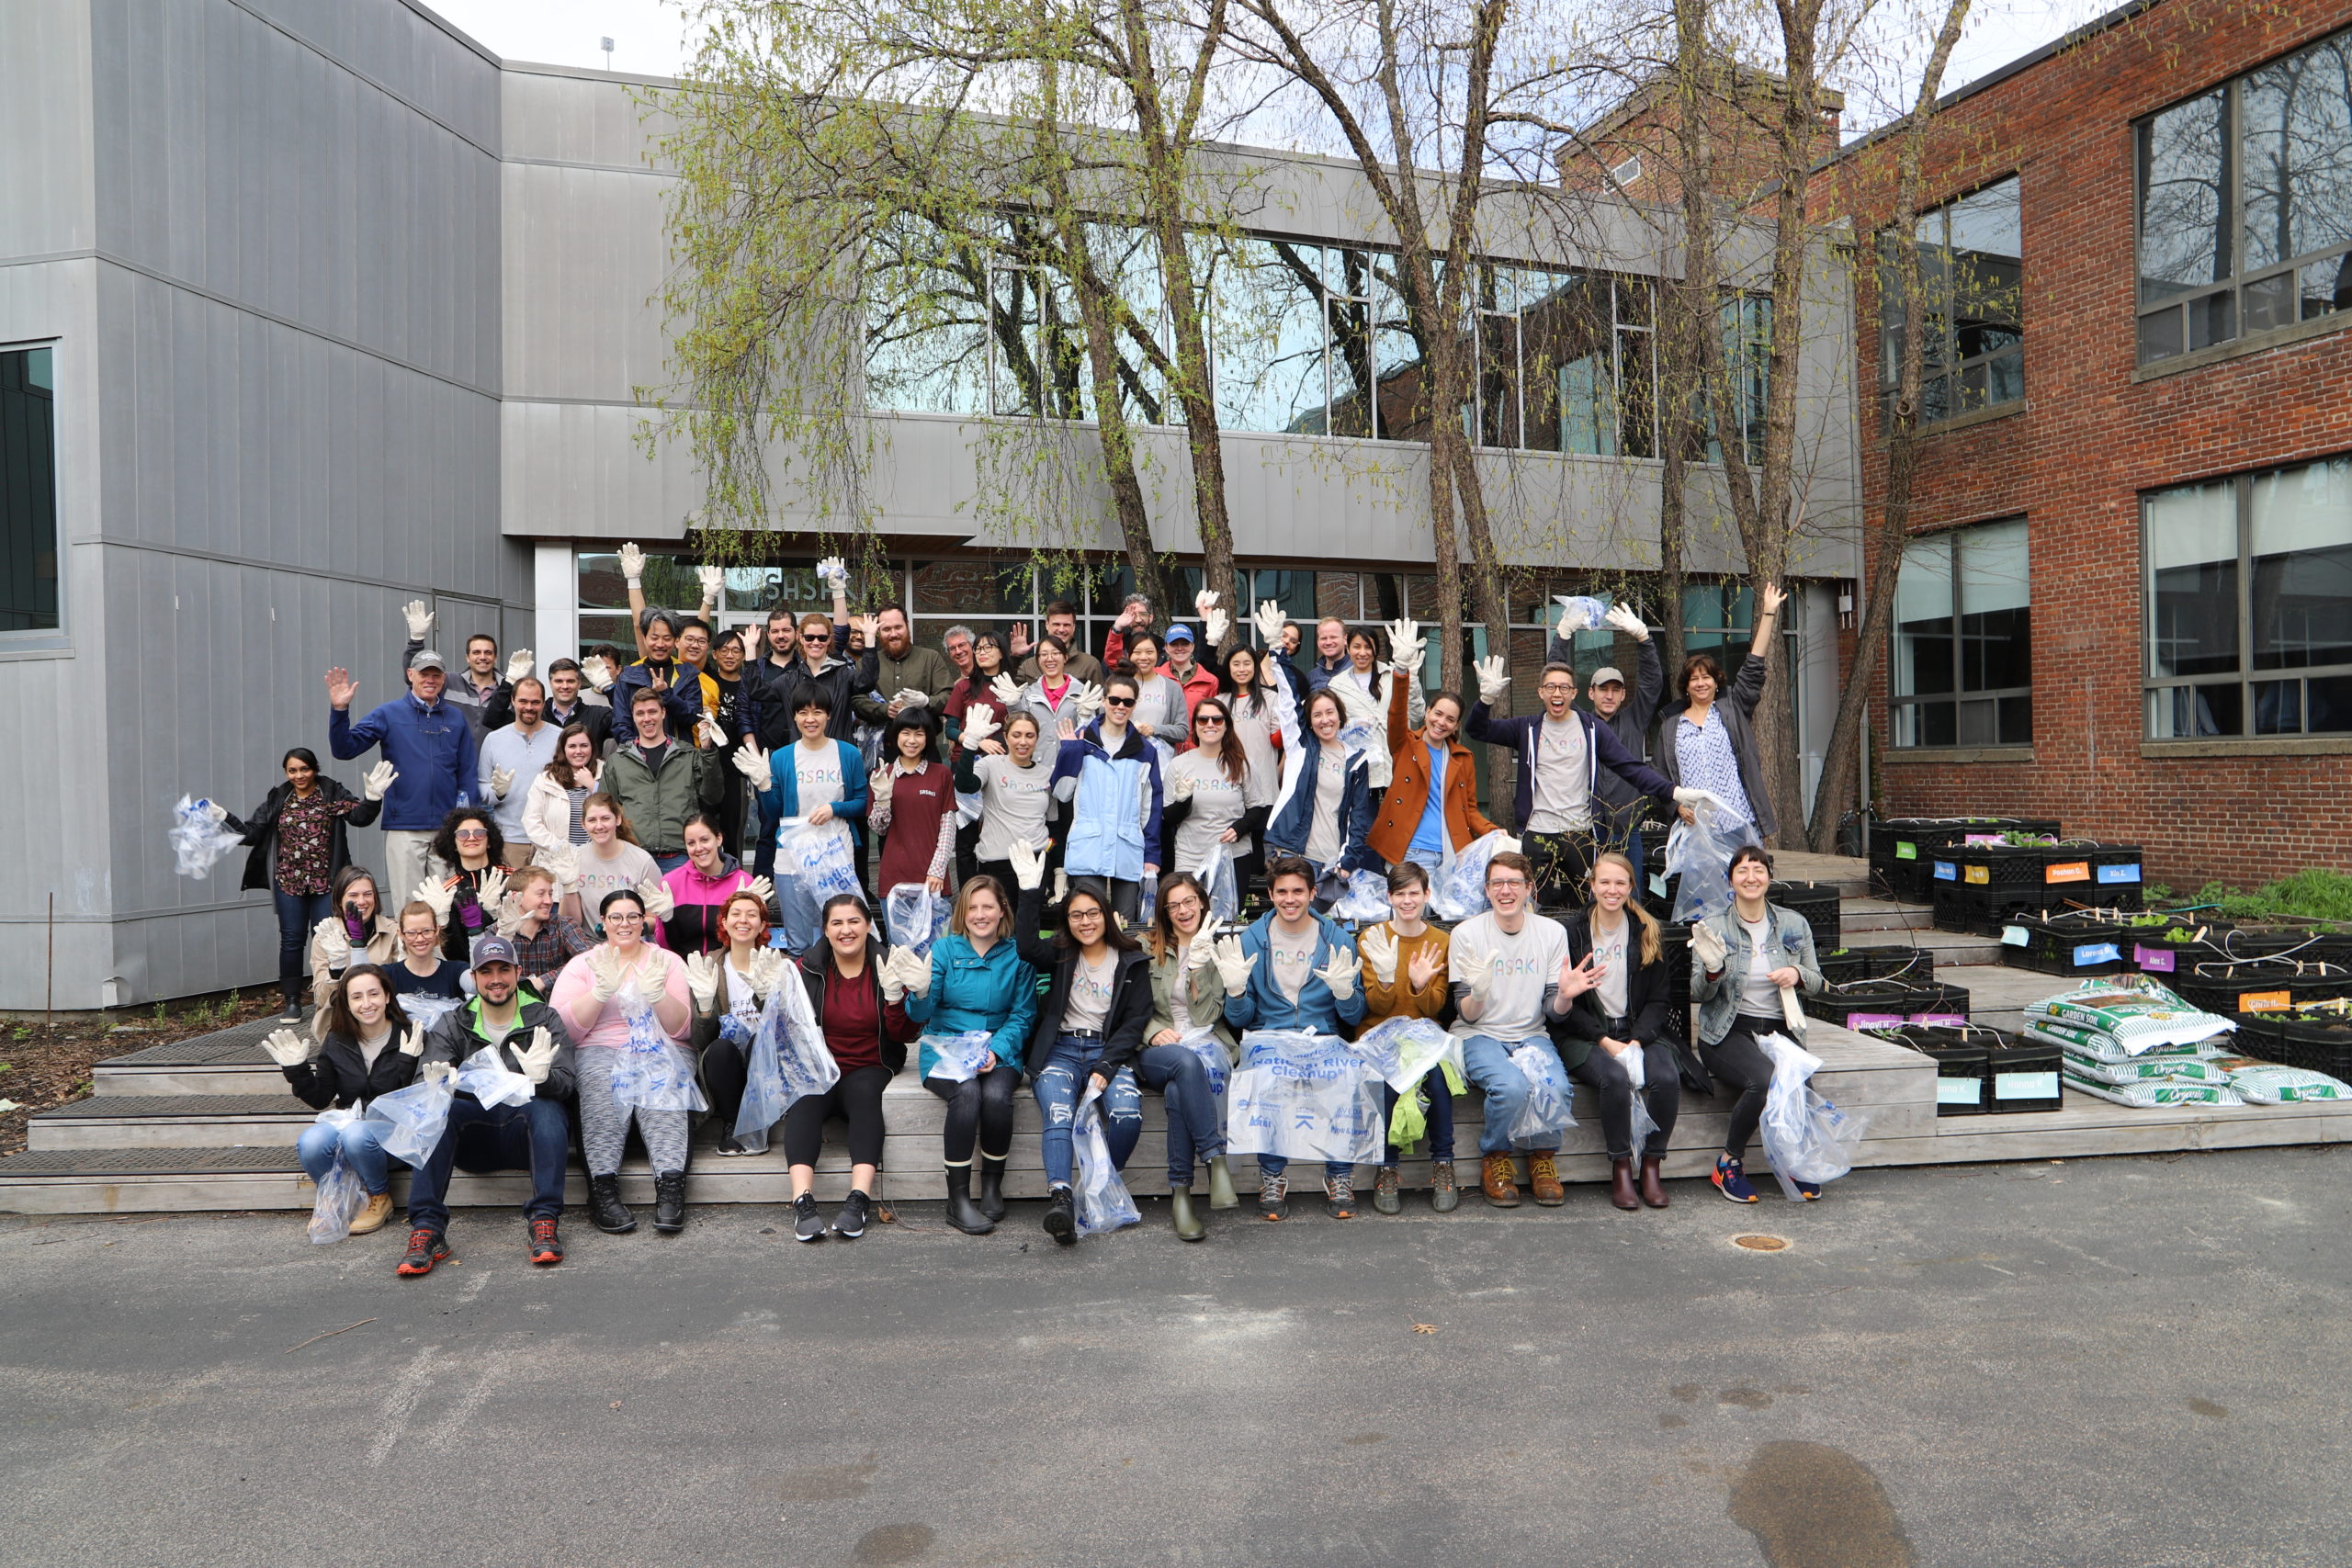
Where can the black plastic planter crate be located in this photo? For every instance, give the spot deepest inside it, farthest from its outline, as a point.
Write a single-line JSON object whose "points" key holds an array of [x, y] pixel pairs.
{"points": [[1844, 964], [2086, 943], [2020, 1075], [1963, 1066], [2275, 939], [1915, 963], [1674, 948], [2260, 986], [1820, 903], [1902, 849], [1888, 1003], [2316, 1040]]}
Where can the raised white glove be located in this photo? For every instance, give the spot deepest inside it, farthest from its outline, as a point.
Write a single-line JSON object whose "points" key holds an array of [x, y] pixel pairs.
{"points": [[501, 781], [1709, 947], [707, 730], [1378, 949], [438, 896], [438, 1073], [333, 942], [1626, 619], [834, 570], [1213, 626], [1233, 965], [518, 664], [1478, 970], [894, 977], [1271, 621], [1203, 602], [658, 904], [1028, 865], [379, 780], [916, 970], [1006, 690], [412, 1043], [287, 1048], [597, 671], [632, 563], [1405, 645], [491, 891], [767, 972], [1089, 700], [563, 864], [1202, 953], [1492, 681], [1339, 973], [714, 582], [752, 763], [653, 979], [420, 619], [603, 976], [508, 918], [534, 1062], [760, 888], [1180, 786], [979, 725], [702, 981]]}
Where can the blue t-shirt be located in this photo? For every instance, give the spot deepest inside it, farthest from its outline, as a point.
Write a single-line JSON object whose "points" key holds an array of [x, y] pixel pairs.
{"points": [[1428, 849], [442, 982]]}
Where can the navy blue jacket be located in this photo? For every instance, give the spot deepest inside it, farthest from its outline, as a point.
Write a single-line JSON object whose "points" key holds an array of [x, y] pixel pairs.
{"points": [[1294, 812], [431, 749], [1601, 749]]}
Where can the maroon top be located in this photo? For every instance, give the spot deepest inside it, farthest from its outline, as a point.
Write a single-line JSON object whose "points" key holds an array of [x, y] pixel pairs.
{"points": [[920, 803], [852, 1019], [972, 691]]}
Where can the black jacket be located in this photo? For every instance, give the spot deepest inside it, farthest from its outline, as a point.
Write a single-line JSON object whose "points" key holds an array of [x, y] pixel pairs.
{"points": [[339, 1076], [773, 700], [596, 720], [260, 830], [459, 1034], [896, 1027], [1649, 996], [1124, 1026]]}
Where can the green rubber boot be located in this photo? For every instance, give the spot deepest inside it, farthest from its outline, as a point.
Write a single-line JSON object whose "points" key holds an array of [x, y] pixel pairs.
{"points": [[1180, 1211], [1221, 1193]]}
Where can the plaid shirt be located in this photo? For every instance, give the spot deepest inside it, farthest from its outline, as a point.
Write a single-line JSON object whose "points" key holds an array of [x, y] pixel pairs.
{"points": [[543, 956]]}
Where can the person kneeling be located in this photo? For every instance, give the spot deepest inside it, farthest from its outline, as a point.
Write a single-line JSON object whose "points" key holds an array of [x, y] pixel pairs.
{"points": [[528, 1038]]}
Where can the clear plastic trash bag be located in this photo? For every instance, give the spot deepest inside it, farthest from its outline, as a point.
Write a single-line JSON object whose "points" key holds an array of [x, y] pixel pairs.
{"points": [[197, 841], [1581, 612], [1103, 1201], [1364, 898], [486, 1076], [1202, 1043], [958, 1058], [652, 1072], [341, 1195], [1404, 1051], [813, 864], [787, 1060], [1699, 852], [1222, 885], [1808, 1138], [1636, 1068], [1303, 1096], [914, 916], [1544, 1115], [971, 805], [424, 1012], [414, 1118], [1460, 890]]}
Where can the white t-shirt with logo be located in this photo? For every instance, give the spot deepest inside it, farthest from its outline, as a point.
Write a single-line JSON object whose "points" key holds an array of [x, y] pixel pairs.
{"points": [[1218, 805], [1323, 845], [1089, 992], [1526, 969], [1012, 804], [1563, 794]]}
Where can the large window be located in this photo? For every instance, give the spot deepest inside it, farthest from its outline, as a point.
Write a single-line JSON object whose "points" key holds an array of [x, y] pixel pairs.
{"points": [[2249, 605], [1971, 277], [27, 492], [1963, 652], [2246, 204]]}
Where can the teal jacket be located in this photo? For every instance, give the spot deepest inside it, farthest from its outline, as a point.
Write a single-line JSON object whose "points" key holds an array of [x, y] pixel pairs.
{"points": [[782, 798], [970, 992], [1262, 1004]]}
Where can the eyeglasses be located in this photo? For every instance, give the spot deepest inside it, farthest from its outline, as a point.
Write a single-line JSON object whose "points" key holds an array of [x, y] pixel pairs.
{"points": [[618, 919], [1118, 702], [472, 833], [1508, 882]]}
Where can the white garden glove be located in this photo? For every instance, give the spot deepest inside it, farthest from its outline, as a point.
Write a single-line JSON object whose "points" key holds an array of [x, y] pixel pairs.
{"points": [[833, 570], [1180, 786], [518, 665], [1378, 947], [760, 888], [1477, 967], [1028, 865], [420, 619], [702, 981], [980, 726], [752, 763], [1405, 645], [1710, 948], [1202, 953], [658, 904], [707, 731], [212, 811], [1684, 794], [632, 563], [714, 582], [438, 896], [1006, 690], [509, 917], [1203, 602], [1339, 973], [334, 944], [1791, 1009], [603, 976], [1233, 965], [916, 969], [380, 779], [1089, 700], [1492, 681], [412, 1043], [501, 781], [534, 1062], [1271, 621], [1626, 619], [597, 671], [491, 891], [1507, 845], [563, 864], [1213, 626], [287, 1048], [894, 977], [438, 1073], [767, 972], [653, 978]]}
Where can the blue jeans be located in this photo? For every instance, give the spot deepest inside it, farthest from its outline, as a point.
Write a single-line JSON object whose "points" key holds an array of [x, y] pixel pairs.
{"points": [[297, 914], [1441, 1115], [1486, 1062], [537, 1137], [363, 1150], [1061, 1084], [670, 862], [1196, 1133]]}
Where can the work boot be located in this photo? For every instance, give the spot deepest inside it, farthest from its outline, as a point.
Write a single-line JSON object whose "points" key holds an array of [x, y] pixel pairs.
{"points": [[372, 1213], [670, 1201], [1500, 1182], [1385, 1196], [1544, 1179], [991, 1199], [604, 1209], [1445, 1194], [962, 1213], [1179, 1213], [1221, 1192], [1621, 1184], [1653, 1188], [1061, 1217]]}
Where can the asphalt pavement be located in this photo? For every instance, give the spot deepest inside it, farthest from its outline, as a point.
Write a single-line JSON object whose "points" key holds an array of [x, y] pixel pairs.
{"points": [[2128, 1361]]}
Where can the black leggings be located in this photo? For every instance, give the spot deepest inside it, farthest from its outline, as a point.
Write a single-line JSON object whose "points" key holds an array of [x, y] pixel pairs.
{"points": [[856, 1100], [1737, 1060], [1661, 1092], [981, 1107], [724, 1071]]}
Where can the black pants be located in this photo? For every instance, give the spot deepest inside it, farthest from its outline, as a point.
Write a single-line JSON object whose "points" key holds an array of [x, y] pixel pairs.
{"points": [[1738, 1061], [1003, 871], [1562, 863], [724, 1071], [1661, 1092], [856, 1100], [979, 1107], [967, 853]]}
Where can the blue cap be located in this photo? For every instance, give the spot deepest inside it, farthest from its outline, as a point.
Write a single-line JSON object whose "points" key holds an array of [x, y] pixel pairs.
{"points": [[1179, 632]]}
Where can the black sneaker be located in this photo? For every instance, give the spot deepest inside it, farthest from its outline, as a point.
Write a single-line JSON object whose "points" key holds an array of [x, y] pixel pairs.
{"points": [[807, 1224], [424, 1249], [850, 1224], [1340, 1197], [730, 1144], [1273, 1197], [293, 1014], [544, 1245], [1061, 1217], [605, 1208]]}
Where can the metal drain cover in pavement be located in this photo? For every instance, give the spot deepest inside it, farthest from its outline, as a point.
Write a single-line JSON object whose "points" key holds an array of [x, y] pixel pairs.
{"points": [[1760, 1242]]}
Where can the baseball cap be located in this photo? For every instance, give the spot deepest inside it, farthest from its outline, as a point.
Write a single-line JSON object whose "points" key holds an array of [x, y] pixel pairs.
{"points": [[1179, 632], [427, 659], [1606, 674], [494, 949]]}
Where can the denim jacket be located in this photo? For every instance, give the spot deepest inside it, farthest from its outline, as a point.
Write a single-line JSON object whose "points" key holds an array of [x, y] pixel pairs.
{"points": [[1718, 999]]}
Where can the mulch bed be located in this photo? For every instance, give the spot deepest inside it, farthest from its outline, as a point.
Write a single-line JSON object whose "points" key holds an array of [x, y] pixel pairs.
{"points": [[42, 1066]]}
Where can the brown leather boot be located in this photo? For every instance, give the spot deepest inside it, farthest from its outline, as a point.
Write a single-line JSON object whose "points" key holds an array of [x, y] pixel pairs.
{"points": [[1621, 1184], [1653, 1189], [1501, 1184], [1543, 1180]]}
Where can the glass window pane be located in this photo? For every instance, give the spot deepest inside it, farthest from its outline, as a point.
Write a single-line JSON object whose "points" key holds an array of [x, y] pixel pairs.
{"points": [[2302, 566], [975, 588], [1338, 593], [2326, 287], [1293, 591], [2185, 713], [1039, 343], [1566, 342], [28, 493], [1927, 724], [1923, 616], [926, 332], [1997, 646], [597, 629], [2017, 721], [2193, 570], [1128, 261], [2184, 199], [2327, 705], [1268, 334], [2295, 130], [1349, 320], [1497, 380]]}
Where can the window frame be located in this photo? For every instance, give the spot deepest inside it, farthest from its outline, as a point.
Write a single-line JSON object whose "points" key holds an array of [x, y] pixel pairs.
{"points": [[43, 639], [1958, 693], [1941, 346]]}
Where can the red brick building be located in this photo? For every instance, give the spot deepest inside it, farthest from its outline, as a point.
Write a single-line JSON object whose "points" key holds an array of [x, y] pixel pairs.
{"points": [[2128, 602]]}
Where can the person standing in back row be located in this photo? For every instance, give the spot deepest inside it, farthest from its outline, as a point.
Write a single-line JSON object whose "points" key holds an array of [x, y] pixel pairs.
{"points": [[512, 759], [1062, 621], [661, 782], [894, 664], [1704, 744], [431, 749], [1617, 810]]}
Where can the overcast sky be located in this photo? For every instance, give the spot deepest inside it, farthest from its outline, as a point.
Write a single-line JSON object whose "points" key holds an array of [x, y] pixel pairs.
{"points": [[648, 35]]}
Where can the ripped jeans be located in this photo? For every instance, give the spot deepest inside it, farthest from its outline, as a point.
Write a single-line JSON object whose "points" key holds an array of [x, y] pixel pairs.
{"points": [[1061, 1084]]}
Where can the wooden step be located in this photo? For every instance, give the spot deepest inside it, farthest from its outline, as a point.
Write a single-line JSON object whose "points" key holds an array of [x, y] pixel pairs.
{"points": [[171, 1121], [1861, 915], [226, 1062]]}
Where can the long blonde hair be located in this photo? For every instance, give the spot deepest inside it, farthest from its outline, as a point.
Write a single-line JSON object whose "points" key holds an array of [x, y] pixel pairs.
{"points": [[1642, 917]]}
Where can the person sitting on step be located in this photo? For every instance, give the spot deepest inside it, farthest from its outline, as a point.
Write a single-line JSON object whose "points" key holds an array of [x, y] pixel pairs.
{"points": [[370, 1049]]}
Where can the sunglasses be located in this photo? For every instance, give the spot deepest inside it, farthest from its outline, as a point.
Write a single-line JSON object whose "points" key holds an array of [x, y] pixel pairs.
{"points": [[816, 636], [1118, 702], [1208, 721], [472, 833]]}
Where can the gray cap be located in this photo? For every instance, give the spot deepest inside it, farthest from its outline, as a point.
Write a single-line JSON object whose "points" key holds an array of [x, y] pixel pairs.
{"points": [[427, 659], [1605, 674], [491, 948]]}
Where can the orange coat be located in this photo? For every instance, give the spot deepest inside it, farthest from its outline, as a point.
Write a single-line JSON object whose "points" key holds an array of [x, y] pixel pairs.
{"points": [[1409, 790]]}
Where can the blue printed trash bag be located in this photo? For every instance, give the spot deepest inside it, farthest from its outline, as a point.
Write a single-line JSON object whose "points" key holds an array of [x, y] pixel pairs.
{"points": [[812, 864], [789, 1059], [1808, 1138], [1544, 1115], [652, 1072], [1103, 1201], [1460, 890], [1580, 611], [913, 916], [957, 1059], [486, 1076], [340, 1194], [1303, 1096], [414, 1117], [197, 840], [1364, 899], [1404, 1051], [1203, 1043], [1699, 852]]}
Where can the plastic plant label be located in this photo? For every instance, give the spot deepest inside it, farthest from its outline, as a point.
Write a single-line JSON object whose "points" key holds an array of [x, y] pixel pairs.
{"points": [[2098, 953], [1906, 850], [2015, 936], [1959, 1091], [2068, 870], [1657, 886], [1938, 1020], [1979, 876], [2025, 1086], [1875, 1021], [2265, 1002], [2155, 960], [1976, 841], [1946, 871], [2119, 874]]}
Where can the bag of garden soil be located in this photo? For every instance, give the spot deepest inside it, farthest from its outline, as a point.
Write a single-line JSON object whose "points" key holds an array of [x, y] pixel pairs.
{"points": [[2130, 1012]]}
